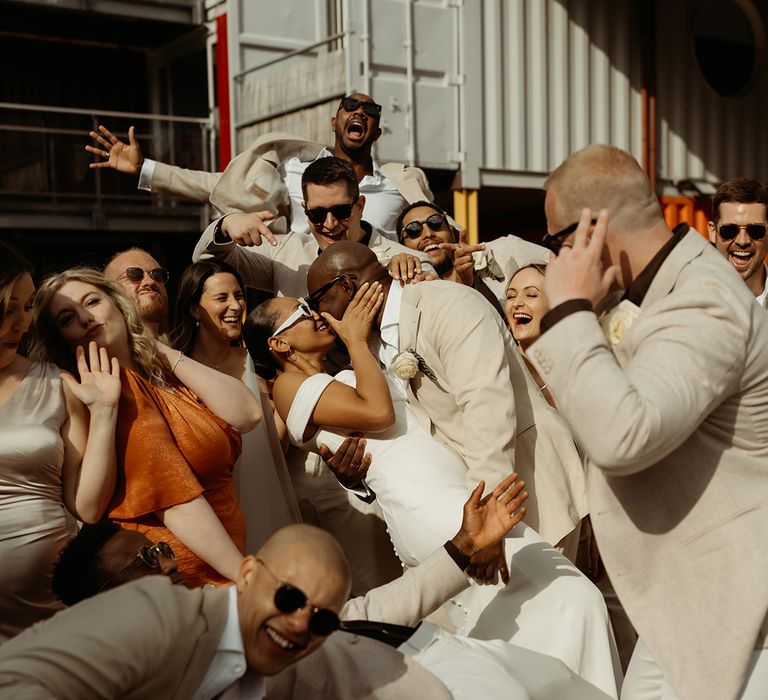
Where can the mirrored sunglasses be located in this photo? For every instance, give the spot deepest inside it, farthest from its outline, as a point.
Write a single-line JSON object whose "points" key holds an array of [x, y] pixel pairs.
{"points": [[413, 228], [289, 599], [340, 212], [728, 232], [302, 311], [136, 274], [350, 104]]}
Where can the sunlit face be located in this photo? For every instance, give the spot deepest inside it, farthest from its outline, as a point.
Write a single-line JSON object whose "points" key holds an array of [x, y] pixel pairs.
{"points": [[274, 640], [150, 296], [18, 315], [83, 312], [221, 306], [333, 229], [526, 305], [119, 562], [355, 131], [307, 334], [744, 254], [429, 239]]}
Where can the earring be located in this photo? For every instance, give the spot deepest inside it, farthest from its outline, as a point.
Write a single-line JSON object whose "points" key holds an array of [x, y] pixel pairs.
{"points": [[197, 324]]}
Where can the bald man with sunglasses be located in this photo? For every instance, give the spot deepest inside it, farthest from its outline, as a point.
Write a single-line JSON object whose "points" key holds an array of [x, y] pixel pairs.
{"points": [[738, 231], [266, 178]]}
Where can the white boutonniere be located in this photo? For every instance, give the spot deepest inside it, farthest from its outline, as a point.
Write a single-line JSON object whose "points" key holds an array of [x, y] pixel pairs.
{"points": [[408, 364], [616, 322], [486, 266]]}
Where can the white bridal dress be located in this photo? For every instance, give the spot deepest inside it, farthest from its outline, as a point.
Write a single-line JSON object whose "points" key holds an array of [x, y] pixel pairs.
{"points": [[548, 606]]}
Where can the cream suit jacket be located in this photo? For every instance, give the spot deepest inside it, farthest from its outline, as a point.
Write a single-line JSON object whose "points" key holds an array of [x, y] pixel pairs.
{"points": [[252, 180], [485, 405], [150, 639], [675, 426], [282, 269]]}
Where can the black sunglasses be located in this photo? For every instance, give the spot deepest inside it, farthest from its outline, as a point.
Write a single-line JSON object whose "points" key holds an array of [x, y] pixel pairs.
{"points": [[554, 242], [289, 599], [340, 212], [728, 232], [350, 104], [313, 300], [413, 228], [136, 274], [148, 555]]}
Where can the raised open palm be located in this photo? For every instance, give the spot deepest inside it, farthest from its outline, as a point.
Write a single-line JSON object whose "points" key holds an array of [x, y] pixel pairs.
{"points": [[99, 383]]}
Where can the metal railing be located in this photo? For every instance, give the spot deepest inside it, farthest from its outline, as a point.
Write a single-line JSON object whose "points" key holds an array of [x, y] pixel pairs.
{"points": [[45, 165]]}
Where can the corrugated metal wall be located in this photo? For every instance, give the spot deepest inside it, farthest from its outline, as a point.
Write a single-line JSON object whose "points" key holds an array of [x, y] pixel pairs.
{"points": [[703, 136], [556, 76]]}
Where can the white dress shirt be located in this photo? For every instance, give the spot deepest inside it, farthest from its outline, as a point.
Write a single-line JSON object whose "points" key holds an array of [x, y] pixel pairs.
{"points": [[226, 677]]}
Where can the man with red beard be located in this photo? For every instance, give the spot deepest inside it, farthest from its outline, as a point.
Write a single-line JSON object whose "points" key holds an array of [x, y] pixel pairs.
{"points": [[738, 231], [266, 177], [142, 277]]}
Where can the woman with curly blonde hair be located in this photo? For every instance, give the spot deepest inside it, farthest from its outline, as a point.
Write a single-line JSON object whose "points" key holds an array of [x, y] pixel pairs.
{"points": [[178, 426]]}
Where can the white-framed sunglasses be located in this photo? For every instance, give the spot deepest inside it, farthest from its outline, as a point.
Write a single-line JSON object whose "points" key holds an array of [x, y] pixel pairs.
{"points": [[302, 311]]}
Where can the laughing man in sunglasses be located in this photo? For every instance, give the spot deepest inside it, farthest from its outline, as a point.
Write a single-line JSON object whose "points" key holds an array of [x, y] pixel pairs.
{"points": [[142, 277], [738, 231], [266, 177]]}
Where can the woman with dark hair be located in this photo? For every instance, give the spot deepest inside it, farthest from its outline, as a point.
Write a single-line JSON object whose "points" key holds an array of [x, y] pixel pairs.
{"points": [[210, 305], [56, 451], [177, 430]]}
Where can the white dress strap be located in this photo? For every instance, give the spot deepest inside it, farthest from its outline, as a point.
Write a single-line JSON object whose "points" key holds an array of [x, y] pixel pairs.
{"points": [[303, 405]]}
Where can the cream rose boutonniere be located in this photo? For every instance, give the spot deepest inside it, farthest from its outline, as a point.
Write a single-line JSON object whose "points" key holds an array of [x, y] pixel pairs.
{"points": [[616, 322], [408, 364]]}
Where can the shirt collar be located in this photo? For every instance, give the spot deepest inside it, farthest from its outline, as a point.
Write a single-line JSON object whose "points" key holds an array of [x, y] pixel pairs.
{"points": [[231, 638], [639, 288], [760, 298]]}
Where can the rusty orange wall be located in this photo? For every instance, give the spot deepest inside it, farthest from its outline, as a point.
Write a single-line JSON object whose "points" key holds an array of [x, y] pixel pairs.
{"points": [[694, 210]]}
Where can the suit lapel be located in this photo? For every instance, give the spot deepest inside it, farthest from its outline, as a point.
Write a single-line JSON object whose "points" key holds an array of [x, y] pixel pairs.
{"points": [[409, 319], [692, 246]]}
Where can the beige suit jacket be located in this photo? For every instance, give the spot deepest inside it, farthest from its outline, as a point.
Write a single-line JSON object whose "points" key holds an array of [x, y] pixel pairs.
{"points": [[485, 405], [151, 639], [252, 180], [675, 425], [282, 269]]}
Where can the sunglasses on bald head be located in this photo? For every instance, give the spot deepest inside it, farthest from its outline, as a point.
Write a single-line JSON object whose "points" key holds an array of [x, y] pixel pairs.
{"points": [[351, 104], [728, 232], [136, 274], [413, 228], [289, 599], [340, 212]]}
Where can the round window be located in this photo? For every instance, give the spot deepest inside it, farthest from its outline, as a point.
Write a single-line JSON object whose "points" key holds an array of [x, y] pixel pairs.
{"points": [[726, 46]]}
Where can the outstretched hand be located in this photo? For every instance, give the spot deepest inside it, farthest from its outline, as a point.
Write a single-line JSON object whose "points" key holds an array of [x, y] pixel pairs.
{"points": [[120, 156], [578, 271], [248, 228], [486, 520], [350, 462], [355, 324], [99, 385], [463, 262]]}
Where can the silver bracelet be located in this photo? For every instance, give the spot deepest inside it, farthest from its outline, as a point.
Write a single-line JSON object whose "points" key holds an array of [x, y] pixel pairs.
{"points": [[178, 359]]}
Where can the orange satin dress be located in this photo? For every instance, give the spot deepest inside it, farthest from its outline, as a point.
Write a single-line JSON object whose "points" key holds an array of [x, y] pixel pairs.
{"points": [[170, 450]]}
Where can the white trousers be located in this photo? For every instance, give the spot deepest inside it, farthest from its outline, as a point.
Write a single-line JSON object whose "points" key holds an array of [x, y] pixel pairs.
{"points": [[491, 669], [645, 680]]}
